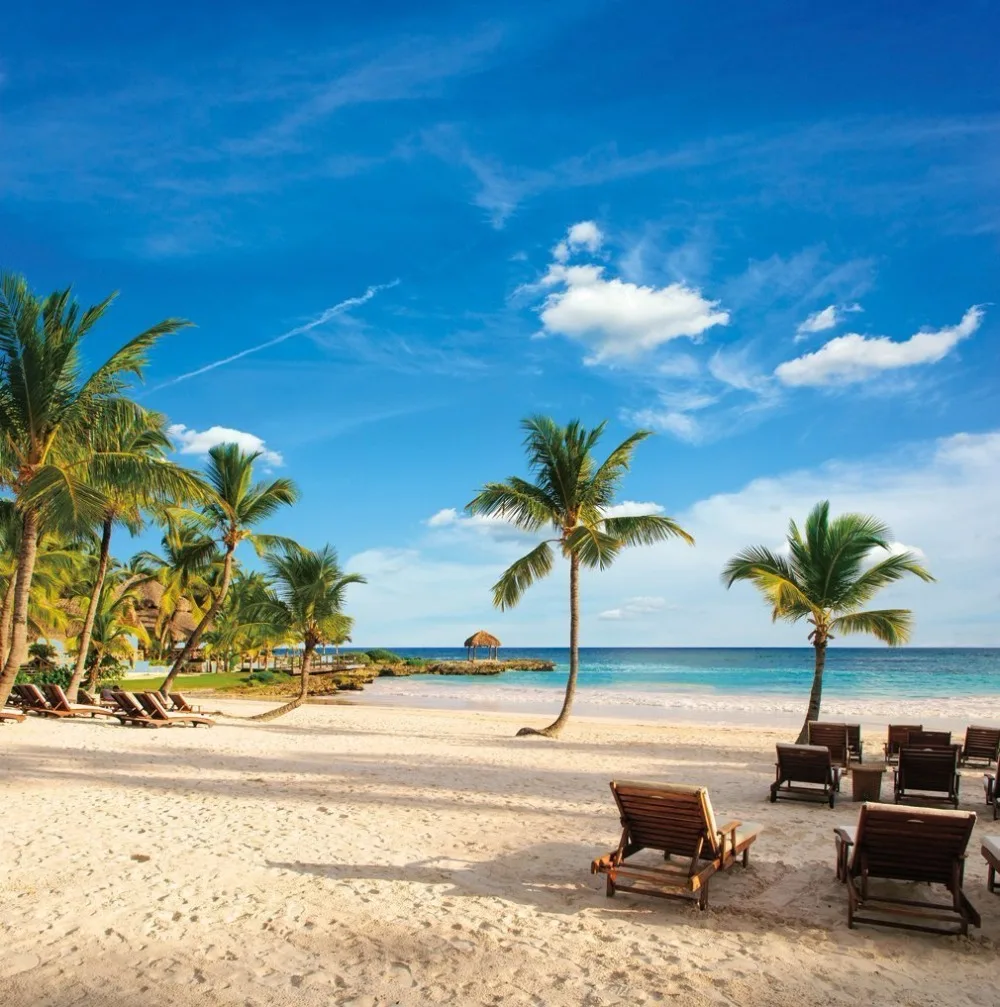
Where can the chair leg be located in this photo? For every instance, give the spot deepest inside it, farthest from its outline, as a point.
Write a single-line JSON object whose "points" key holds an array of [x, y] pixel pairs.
{"points": [[991, 879], [746, 857], [703, 897], [610, 888]]}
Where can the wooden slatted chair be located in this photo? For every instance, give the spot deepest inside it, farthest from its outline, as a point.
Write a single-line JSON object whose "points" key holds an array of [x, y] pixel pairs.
{"points": [[181, 703], [677, 821], [153, 705], [981, 744], [906, 844], [35, 701], [927, 774], [133, 713], [56, 695], [899, 735], [834, 737], [805, 764]]}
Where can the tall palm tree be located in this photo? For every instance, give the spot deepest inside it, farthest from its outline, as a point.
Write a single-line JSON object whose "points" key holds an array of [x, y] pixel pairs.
{"points": [[114, 627], [236, 505], [573, 495], [305, 602], [826, 578], [46, 406], [128, 464]]}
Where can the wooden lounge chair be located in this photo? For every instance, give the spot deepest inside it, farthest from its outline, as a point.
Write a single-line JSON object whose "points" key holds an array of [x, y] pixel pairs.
{"points": [[834, 737], [91, 700], [11, 716], [35, 701], [927, 774], [929, 739], [808, 764], [181, 703], [153, 705], [982, 744], [61, 704], [899, 735], [675, 820], [991, 851], [906, 844], [132, 713]]}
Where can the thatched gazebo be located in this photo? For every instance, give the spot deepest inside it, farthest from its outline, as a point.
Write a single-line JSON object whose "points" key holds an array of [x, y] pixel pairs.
{"points": [[482, 639]]}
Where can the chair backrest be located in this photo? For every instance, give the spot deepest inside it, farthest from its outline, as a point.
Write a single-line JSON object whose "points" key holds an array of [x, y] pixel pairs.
{"points": [[88, 697], [928, 768], [981, 742], [57, 695], [833, 736], [805, 763], [911, 844], [34, 696], [128, 703], [181, 703], [854, 738], [899, 735], [155, 704], [671, 817], [929, 739]]}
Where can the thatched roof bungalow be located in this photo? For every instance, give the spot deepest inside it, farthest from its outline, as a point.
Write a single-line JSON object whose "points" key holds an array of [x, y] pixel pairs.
{"points": [[483, 639]]}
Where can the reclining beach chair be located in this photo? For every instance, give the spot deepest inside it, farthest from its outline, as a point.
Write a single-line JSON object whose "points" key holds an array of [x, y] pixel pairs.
{"points": [[927, 774], [91, 700], [35, 701], [982, 744], [899, 735], [181, 703], [834, 737], [677, 821], [805, 764], [929, 739], [153, 705], [906, 844], [56, 695], [131, 712]]}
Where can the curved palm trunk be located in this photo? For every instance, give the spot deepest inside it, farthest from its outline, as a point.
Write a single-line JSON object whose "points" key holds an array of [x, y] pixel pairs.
{"points": [[559, 723], [307, 655], [22, 591], [195, 638], [7, 616], [88, 622], [816, 693]]}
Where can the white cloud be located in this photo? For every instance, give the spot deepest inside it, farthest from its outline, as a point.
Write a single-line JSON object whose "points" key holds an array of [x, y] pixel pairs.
{"points": [[586, 234], [632, 508], [853, 357], [437, 594], [819, 321], [198, 442], [620, 320], [634, 608]]}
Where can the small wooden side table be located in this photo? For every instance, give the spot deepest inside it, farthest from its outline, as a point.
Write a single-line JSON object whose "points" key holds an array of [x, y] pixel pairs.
{"points": [[866, 781]]}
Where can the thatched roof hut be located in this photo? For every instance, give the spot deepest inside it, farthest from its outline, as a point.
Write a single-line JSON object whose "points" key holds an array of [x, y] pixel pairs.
{"points": [[483, 639]]}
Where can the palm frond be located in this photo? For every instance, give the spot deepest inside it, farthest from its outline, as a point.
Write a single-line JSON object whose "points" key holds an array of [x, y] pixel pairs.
{"points": [[890, 625], [593, 547], [644, 529], [521, 574]]}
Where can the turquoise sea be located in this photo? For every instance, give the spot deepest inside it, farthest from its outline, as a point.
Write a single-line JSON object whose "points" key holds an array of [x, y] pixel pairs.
{"points": [[912, 672]]}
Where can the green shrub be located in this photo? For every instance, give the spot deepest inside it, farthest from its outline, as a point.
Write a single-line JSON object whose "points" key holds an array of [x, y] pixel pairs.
{"points": [[44, 676], [415, 662], [261, 678], [358, 658], [381, 656]]}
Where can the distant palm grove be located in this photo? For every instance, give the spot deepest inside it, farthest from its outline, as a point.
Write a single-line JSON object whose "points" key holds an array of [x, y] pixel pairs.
{"points": [[80, 461]]}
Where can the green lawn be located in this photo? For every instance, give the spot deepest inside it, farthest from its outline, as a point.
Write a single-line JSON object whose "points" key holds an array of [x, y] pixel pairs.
{"points": [[192, 683]]}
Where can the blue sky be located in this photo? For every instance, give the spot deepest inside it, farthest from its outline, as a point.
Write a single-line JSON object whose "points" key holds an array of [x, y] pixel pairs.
{"points": [[769, 234]]}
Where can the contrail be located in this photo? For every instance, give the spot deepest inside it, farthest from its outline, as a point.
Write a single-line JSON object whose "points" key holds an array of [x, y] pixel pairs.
{"points": [[322, 318]]}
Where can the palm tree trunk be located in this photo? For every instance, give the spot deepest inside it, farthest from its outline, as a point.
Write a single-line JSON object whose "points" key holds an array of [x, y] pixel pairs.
{"points": [[816, 693], [195, 638], [559, 723], [88, 622], [303, 689], [22, 592], [7, 616]]}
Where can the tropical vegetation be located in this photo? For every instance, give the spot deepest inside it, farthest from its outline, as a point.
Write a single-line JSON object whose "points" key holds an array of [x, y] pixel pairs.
{"points": [[572, 497], [826, 574]]}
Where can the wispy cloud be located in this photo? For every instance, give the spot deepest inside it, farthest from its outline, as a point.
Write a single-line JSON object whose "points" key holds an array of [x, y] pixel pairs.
{"points": [[321, 319]]}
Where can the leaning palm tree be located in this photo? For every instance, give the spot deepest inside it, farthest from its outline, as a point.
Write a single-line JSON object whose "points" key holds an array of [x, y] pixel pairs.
{"points": [[305, 602], [46, 407], [827, 577], [574, 496], [116, 628], [236, 505], [128, 464]]}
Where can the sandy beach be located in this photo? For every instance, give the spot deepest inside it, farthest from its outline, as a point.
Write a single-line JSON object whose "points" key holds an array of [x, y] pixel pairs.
{"points": [[372, 856]]}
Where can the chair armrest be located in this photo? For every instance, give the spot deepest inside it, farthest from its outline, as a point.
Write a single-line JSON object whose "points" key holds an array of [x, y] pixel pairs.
{"points": [[843, 836], [729, 829]]}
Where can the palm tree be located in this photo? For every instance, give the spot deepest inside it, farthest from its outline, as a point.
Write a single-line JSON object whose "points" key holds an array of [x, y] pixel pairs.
{"points": [[115, 625], [573, 495], [826, 578], [129, 467], [236, 505], [305, 602], [46, 408]]}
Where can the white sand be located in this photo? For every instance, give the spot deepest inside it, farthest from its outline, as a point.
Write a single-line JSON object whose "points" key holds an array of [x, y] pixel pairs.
{"points": [[360, 855]]}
